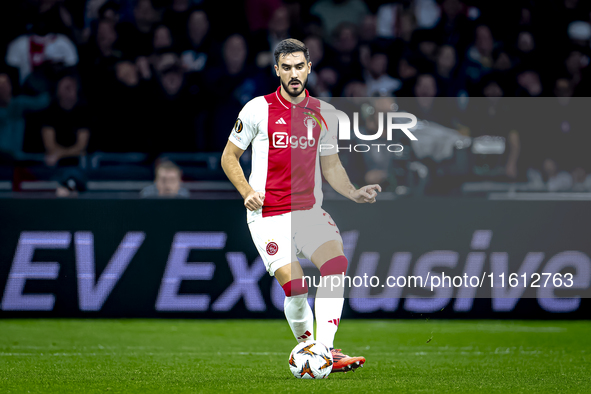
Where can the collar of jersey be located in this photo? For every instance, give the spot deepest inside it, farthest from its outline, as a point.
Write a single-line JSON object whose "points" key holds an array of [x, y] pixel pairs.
{"points": [[286, 103]]}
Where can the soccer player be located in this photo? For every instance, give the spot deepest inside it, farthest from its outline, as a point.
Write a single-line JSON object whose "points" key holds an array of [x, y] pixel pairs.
{"points": [[283, 196]]}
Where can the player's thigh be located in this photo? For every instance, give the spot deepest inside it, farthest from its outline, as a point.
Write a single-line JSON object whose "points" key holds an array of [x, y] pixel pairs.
{"points": [[273, 240], [317, 236], [327, 251], [289, 272]]}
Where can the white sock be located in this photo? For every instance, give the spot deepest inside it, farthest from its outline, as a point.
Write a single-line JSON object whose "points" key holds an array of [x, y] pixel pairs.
{"points": [[328, 308], [299, 316]]}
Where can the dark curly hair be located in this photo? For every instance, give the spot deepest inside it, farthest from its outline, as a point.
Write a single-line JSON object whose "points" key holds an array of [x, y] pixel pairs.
{"points": [[291, 45]]}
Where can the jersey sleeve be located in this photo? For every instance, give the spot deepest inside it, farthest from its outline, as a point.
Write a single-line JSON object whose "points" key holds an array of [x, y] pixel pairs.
{"points": [[245, 128], [328, 135]]}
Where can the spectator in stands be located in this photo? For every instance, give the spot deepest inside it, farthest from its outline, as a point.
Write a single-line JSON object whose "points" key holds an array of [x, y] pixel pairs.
{"points": [[502, 61], [197, 49], [560, 160], [12, 121], [316, 48], [432, 47], [449, 83], [326, 82], [407, 72], [347, 62], [579, 33], [71, 183], [176, 18], [563, 89], [494, 117], [392, 17], [136, 37], [479, 58], [378, 164], [529, 84], [266, 40], [403, 35], [566, 121], [162, 38], [42, 45], [323, 77], [428, 105], [98, 10], [66, 125], [355, 89], [106, 37], [168, 182], [174, 109], [570, 119], [333, 13], [230, 87], [312, 25], [575, 63], [368, 29], [378, 82], [425, 91], [424, 44], [124, 122], [57, 16], [110, 11], [99, 57], [234, 55], [260, 12], [526, 50], [552, 177], [454, 27], [162, 44]]}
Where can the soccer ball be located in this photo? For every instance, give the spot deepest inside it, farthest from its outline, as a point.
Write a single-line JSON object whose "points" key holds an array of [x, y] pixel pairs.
{"points": [[310, 360]]}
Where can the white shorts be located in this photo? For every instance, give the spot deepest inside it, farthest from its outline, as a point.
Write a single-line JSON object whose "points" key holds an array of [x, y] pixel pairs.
{"points": [[281, 239]]}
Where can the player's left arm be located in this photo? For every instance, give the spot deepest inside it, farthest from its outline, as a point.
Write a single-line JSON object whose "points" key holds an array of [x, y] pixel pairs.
{"points": [[337, 177]]}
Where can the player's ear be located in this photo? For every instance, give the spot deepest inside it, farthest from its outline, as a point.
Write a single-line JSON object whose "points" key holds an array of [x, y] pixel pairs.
{"points": [[309, 67], [276, 70]]}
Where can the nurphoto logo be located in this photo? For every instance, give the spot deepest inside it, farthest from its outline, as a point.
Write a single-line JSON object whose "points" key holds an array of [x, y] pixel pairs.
{"points": [[344, 130]]}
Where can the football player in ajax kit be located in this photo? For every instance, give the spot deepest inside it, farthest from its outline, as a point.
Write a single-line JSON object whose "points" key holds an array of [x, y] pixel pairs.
{"points": [[283, 196]]}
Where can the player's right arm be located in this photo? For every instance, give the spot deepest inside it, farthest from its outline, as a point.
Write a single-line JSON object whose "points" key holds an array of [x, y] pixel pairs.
{"points": [[244, 132], [230, 163]]}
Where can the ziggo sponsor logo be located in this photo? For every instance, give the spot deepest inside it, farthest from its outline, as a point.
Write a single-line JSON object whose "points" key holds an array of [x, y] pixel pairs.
{"points": [[282, 140]]}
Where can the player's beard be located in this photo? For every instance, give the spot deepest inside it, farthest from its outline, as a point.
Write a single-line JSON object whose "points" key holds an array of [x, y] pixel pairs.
{"points": [[297, 92]]}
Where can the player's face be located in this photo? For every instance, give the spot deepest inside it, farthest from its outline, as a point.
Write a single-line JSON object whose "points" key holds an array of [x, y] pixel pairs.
{"points": [[293, 72]]}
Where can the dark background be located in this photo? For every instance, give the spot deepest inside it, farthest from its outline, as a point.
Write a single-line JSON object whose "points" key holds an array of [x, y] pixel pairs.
{"points": [[155, 78]]}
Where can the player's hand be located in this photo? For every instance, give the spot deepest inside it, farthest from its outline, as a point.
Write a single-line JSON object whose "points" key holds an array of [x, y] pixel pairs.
{"points": [[254, 201], [366, 194]]}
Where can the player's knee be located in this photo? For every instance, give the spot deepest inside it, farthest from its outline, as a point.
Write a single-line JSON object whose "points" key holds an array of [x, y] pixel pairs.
{"points": [[335, 266], [295, 287]]}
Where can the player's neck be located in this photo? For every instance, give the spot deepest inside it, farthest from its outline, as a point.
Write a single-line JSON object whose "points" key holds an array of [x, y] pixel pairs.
{"points": [[295, 100]]}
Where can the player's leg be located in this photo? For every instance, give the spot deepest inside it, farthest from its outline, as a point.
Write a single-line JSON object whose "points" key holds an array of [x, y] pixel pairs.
{"points": [[272, 237], [295, 306], [332, 263], [319, 240]]}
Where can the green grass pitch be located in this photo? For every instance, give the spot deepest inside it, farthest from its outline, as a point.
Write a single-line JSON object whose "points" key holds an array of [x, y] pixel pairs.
{"points": [[192, 356]]}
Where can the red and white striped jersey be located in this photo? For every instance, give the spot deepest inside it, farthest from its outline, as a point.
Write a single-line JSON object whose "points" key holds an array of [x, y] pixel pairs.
{"points": [[285, 163]]}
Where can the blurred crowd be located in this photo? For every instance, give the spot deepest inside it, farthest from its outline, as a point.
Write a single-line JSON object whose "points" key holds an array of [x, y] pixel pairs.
{"points": [[160, 76]]}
